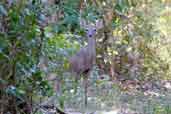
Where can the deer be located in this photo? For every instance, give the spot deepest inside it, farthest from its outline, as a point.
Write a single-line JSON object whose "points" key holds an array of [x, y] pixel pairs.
{"points": [[83, 61]]}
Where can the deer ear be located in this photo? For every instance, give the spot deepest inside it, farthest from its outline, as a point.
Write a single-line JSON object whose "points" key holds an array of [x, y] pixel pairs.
{"points": [[83, 23], [99, 24]]}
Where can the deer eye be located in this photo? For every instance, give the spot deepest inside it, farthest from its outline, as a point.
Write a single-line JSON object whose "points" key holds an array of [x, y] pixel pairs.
{"points": [[94, 30], [86, 30]]}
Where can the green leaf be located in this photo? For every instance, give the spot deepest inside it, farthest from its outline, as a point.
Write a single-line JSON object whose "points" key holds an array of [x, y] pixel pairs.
{"points": [[122, 5]]}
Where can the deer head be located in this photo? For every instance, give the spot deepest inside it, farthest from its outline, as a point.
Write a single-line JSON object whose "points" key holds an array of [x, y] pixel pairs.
{"points": [[91, 28]]}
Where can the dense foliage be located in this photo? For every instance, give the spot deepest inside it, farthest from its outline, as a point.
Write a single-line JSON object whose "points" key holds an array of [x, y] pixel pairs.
{"points": [[37, 37]]}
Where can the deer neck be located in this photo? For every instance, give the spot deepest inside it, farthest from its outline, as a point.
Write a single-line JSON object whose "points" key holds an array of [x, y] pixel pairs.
{"points": [[91, 43]]}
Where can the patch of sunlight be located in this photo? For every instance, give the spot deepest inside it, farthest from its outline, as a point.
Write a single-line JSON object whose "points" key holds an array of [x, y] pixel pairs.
{"points": [[109, 112], [153, 93], [163, 22], [167, 85]]}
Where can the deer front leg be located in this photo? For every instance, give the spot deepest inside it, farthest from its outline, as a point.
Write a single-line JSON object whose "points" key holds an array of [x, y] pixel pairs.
{"points": [[85, 80]]}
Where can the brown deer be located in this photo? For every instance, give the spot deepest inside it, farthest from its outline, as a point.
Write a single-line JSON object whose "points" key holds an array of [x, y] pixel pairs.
{"points": [[82, 62]]}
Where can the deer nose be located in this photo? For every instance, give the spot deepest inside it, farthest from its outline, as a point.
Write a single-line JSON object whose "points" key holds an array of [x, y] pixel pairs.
{"points": [[90, 35]]}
